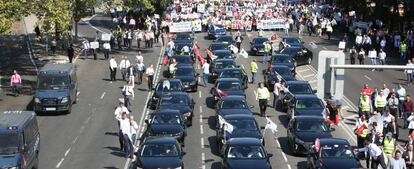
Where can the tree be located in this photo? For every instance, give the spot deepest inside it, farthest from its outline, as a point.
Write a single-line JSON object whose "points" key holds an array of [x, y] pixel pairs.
{"points": [[11, 11]]}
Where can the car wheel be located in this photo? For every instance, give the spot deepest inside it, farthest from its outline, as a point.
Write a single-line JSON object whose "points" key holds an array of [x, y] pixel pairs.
{"points": [[309, 61]]}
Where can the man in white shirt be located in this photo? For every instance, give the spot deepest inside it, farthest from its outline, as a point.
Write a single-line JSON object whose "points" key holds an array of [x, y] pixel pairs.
{"points": [[134, 129], [125, 127], [112, 68], [358, 41], [375, 153], [124, 65], [372, 55], [409, 72], [206, 72], [276, 93], [118, 116], [139, 57], [150, 76], [86, 47], [107, 49], [382, 55], [140, 67]]}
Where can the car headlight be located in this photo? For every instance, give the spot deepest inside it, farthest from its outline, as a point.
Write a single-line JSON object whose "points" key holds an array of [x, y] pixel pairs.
{"points": [[64, 100], [37, 100], [188, 114]]}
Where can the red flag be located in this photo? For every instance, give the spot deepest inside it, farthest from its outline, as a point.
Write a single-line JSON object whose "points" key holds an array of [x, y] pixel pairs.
{"points": [[200, 58], [209, 53], [221, 92], [165, 60], [360, 129], [317, 144]]}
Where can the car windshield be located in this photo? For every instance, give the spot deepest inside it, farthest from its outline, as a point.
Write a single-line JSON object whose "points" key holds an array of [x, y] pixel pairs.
{"points": [[174, 100], [314, 126], [217, 26], [183, 36], [336, 151], [214, 47], [222, 55], [174, 86], [225, 39], [166, 118], [159, 150], [183, 59], [246, 152], [233, 104], [9, 143], [224, 64], [184, 71], [292, 41], [53, 82], [282, 71], [229, 86], [243, 124], [231, 74], [179, 46], [300, 89], [308, 104], [290, 51], [278, 59], [260, 40]]}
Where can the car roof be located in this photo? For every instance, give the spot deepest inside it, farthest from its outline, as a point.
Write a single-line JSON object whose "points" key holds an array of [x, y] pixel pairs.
{"points": [[291, 37], [296, 82], [306, 96], [222, 51], [280, 66], [171, 80], [184, 66], [166, 111], [233, 97], [244, 141], [159, 140], [218, 43], [228, 80], [175, 93], [224, 60], [55, 68], [339, 141], [15, 119], [281, 55], [239, 116], [309, 118]]}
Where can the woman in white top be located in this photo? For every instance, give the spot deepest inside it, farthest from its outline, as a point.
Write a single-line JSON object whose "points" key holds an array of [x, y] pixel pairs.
{"points": [[150, 76], [128, 92]]}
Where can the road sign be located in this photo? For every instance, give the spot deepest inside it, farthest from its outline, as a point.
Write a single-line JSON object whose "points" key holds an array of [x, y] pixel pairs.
{"points": [[77, 19]]}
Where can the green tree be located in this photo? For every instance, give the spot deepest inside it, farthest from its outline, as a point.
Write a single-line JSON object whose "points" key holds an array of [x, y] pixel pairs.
{"points": [[11, 11]]}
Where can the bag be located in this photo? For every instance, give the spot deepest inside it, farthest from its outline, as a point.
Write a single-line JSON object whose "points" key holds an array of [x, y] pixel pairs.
{"points": [[244, 54], [165, 60]]}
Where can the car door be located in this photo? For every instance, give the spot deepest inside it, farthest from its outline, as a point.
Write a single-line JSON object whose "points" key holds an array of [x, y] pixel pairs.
{"points": [[291, 106]]}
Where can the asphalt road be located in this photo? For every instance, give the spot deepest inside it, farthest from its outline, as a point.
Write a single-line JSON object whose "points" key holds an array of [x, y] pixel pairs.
{"points": [[87, 138]]}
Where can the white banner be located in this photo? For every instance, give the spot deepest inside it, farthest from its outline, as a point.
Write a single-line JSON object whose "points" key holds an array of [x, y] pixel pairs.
{"points": [[271, 24], [201, 8], [183, 27], [106, 37], [94, 45]]}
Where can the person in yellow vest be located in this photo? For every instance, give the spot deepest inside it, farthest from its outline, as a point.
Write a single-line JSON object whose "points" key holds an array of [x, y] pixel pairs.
{"points": [[365, 105], [329, 30], [403, 50], [260, 33], [262, 96], [204, 24], [267, 51], [253, 69], [389, 144], [380, 102], [361, 124]]}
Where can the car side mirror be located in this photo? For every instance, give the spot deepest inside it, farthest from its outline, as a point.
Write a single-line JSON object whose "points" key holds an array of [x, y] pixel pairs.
{"points": [[269, 155]]}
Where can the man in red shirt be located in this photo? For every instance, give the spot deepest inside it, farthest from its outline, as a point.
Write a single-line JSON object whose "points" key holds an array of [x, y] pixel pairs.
{"points": [[15, 83], [366, 89]]}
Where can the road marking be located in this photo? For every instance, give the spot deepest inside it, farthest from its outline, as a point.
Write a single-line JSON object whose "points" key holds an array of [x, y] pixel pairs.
{"points": [[77, 94], [309, 75], [324, 47], [74, 140], [255, 94], [202, 142], [278, 143], [289, 166], [199, 94], [87, 120], [203, 160], [201, 129], [145, 109], [304, 70], [242, 66], [59, 163], [284, 156], [103, 95], [367, 77], [81, 129], [67, 151], [201, 109]]}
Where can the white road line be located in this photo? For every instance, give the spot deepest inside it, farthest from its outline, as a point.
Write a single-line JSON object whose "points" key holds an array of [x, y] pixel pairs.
{"points": [[59, 163], [324, 48], [284, 156], [75, 140], [278, 143], [203, 161], [242, 66], [304, 70], [201, 119], [199, 79], [77, 94], [309, 75], [289, 166], [201, 129], [201, 109], [103, 95], [67, 151], [202, 142], [367, 77], [87, 120], [157, 70], [199, 94]]}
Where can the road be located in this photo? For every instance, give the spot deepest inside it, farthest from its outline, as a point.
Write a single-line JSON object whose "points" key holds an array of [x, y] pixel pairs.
{"points": [[87, 138]]}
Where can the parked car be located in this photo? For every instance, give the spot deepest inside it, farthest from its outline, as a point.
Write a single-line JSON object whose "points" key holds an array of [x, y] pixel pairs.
{"points": [[230, 105], [160, 152], [292, 89], [257, 45], [302, 55], [226, 39], [218, 66], [179, 101], [226, 87], [283, 59], [305, 105], [215, 30], [235, 73], [277, 73], [188, 77], [164, 86], [166, 122]]}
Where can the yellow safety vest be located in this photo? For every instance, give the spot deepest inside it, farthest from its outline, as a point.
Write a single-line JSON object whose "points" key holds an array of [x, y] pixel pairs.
{"points": [[172, 68], [364, 133], [267, 47], [260, 33], [193, 24], [365, 107], [403, 47], [253, 67], [389, 146], [263, 93], [329, 29], [380, 103]]}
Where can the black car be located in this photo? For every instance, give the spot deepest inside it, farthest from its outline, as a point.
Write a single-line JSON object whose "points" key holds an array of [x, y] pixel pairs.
{"points": [[183, 36], [227, 87], [332, 153], [244, 125], [257, 45], [166, 122], [184, 59], [179, 101], [305, 105], [160, 152], [188, 77], [293, 88], [232, 105], [218, 66], [235, 73], [301, 55], [283, 59], [222, 54], [303, 130], [226, 39], [245, 153], [293, 41], [277, 73], [218, 46], [215, 30], [171, 85], [178, 46]]}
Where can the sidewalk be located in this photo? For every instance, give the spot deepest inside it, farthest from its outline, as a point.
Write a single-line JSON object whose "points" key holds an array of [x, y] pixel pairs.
{"points": [[15, 55]]}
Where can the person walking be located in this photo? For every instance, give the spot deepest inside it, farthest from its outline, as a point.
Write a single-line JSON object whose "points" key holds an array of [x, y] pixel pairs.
{"points": [[125, 126], [380, 102], [129, 38], [407, 109], [123, 66], [134, 130], [397, 162], [262, 96], [409, 72], [172, 68], [352, 54], [139, 57], [140, 67], [86, 47], [401, 93], [267, 51], [393, 105], [206, 73], [15, 83], [372, 55], [403, 50], [107, 50], [389, 144], [118, 116], [408, 156], [139, 36], [150, 76], [382, 55], [329, 30], [71, 53], [361, 56], [128, 93], [365, 105], [361, 130], [131, 73], [112, 68], [375, 153], [276, 92], [253, 70]]}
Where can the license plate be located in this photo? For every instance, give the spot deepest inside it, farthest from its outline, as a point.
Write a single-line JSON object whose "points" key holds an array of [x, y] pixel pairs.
{"points": [[50, 108]]}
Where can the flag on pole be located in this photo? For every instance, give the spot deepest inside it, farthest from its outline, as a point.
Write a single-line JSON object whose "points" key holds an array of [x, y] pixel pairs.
{"points": [[209, 54], [271, 125]]}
